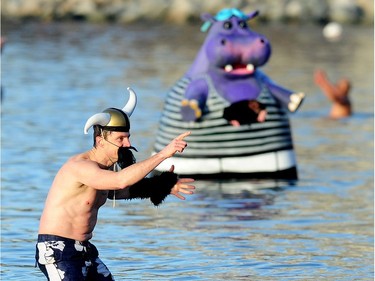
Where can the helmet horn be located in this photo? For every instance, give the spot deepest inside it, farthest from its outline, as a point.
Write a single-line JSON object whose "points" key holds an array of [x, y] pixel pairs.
{"points": [[132, 102], [101, 119]]}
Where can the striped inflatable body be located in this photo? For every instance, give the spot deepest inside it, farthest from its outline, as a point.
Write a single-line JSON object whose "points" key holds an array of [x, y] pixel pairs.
{"points": [[218, 149]]}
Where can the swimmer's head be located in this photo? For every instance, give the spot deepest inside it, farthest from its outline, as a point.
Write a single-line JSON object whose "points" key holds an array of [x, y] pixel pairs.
{"points": [[114, 119]]}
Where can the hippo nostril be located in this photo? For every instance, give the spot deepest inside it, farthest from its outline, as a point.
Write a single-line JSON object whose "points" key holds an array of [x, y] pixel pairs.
{"points": [[223, 41], [262, 41]]}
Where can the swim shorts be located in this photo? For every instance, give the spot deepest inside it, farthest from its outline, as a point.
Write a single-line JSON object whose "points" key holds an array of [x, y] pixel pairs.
{"points": [[64, 259]]}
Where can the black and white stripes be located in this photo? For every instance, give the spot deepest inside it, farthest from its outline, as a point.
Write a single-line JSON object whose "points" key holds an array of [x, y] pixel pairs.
{"points": [[214, 138]]}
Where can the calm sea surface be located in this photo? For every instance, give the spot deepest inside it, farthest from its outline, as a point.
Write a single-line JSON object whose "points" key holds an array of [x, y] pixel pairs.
{"points": [[56, 75]]}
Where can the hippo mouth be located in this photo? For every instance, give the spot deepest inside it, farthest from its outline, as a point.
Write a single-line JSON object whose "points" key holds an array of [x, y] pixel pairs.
{"points": [[239, 69]]}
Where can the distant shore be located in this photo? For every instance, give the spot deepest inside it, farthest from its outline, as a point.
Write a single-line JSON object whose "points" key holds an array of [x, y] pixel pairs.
{"points": [[184, 11]]}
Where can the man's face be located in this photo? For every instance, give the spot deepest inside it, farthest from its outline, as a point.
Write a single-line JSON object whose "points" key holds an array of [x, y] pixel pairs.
{"points": [[121, 139], [115, 140]]}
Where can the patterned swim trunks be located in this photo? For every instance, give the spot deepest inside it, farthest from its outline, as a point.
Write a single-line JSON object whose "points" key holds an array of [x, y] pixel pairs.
{"points": [[64, 259]]}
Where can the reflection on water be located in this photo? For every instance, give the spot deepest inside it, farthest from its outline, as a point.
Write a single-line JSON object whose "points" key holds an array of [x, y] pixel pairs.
{"points": [[321, 227]]}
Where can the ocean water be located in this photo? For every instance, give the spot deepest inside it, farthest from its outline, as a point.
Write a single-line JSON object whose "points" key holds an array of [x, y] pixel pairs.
{"points": [[321, 227]]}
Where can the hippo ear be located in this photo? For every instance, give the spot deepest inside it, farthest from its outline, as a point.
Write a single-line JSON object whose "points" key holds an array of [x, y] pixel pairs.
{"points": [[208, 21], [207, 17], [252, 15]]}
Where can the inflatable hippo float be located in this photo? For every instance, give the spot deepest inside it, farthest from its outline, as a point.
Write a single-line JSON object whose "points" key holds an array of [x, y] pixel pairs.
{"points": [[238, 117]]}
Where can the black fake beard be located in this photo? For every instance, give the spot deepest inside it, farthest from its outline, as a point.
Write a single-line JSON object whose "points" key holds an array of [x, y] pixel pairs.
{"points": [[125, 156]]}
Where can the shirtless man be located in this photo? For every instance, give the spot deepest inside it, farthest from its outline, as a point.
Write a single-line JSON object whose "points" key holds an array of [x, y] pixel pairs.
{"points": [[84, 183]]}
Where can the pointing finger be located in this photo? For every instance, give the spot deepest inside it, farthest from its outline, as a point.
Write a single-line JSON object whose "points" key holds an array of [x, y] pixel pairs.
{"points": [[183, 135]]}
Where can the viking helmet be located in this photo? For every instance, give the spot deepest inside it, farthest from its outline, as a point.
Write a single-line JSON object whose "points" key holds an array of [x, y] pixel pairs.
{"points": [[113, 119]]}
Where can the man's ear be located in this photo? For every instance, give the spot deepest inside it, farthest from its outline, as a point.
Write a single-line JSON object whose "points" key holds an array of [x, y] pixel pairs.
{"points": [[99, 140]]}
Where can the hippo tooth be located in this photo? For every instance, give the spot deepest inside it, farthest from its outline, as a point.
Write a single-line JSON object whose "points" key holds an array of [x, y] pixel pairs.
{"points": [[250, 67], [228, 68]]}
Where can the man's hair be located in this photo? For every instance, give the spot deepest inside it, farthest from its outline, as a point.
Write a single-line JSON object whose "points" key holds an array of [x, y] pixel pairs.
{"points": [[99, 132]]}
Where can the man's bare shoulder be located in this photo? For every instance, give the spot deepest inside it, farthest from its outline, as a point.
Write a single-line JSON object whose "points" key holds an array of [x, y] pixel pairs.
{"points": [[79, 157], [77, 170], [78, 162]]}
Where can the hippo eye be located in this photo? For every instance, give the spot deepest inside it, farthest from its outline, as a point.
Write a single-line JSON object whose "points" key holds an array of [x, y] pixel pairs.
{"points": [[242, 24], [227, 25]]}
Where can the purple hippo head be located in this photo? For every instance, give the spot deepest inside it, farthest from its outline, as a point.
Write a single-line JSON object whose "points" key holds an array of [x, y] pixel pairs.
{"points": [[230, 47], [227, 64]]}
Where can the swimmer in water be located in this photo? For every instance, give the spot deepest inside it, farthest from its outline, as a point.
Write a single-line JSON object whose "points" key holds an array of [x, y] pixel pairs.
{"points": [[337, 93]]}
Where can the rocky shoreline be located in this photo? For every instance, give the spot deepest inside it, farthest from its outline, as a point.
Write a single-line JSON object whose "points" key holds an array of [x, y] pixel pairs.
{"points": [[183, 11]]}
